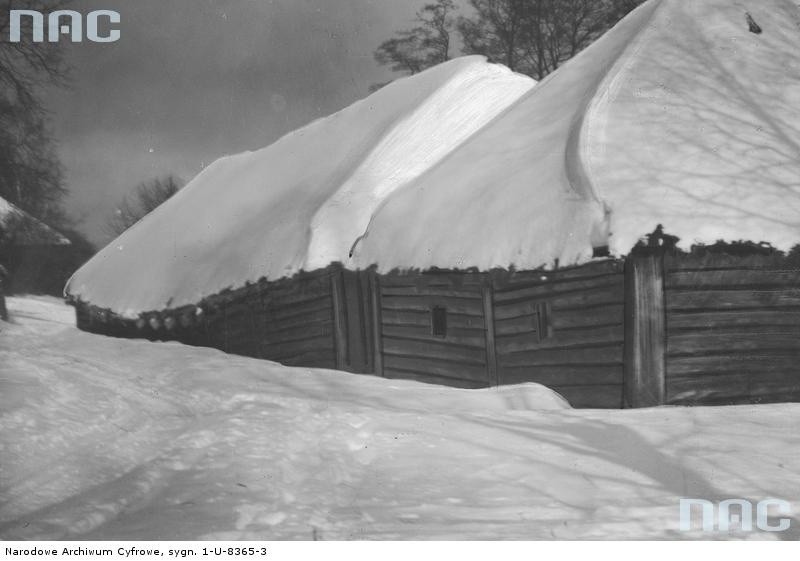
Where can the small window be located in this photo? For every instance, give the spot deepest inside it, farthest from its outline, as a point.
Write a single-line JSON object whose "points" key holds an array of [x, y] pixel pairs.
{"points": [[439, 321], [541, 321]]}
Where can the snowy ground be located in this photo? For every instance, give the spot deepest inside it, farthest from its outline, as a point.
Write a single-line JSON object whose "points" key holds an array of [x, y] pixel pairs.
{"points": [[105, 439]]}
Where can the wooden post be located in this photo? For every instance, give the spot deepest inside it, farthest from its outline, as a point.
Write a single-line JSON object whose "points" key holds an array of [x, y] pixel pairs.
{"points": [[488, 319], [339, 320], [644, 382], [377, 329]]}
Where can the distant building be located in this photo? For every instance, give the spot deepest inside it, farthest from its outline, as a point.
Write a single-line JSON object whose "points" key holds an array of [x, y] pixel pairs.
{"points": [[27, 245]]}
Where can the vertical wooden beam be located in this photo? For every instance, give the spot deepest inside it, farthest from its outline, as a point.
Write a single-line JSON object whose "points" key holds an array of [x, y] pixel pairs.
{"points": [[339, 319], [644, 381], [488, 319], [377, 328]]}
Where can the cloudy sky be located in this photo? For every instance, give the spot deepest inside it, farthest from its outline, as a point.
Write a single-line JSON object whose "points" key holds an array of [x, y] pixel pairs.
{"points": [[192, 80]]}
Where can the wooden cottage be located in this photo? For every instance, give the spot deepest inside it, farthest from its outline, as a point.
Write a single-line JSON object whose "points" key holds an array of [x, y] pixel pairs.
{"points": [[529, 250]]}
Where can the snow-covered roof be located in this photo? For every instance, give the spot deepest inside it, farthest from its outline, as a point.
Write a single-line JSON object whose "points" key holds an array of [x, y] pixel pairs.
{"points": [[679, 116], [21, 228]]}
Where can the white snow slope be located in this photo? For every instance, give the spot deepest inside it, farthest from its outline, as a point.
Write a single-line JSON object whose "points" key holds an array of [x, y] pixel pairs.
{"points": [[678, 116], [104, 438], [302, 202]]}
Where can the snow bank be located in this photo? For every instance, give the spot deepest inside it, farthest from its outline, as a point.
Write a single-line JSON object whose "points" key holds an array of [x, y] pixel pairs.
{"points": [[105, 438], [678, 116]]}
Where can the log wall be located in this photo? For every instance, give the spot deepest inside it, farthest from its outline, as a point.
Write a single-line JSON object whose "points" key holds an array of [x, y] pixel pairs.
{"points": [[733, 329], [411, 349], [563, 329], [728, 328]]}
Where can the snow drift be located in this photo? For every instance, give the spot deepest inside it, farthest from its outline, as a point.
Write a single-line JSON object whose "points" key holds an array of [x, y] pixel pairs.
{"points": [[678, 116]]}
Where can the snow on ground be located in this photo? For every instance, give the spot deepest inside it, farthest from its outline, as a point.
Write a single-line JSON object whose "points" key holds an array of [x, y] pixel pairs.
{"points": [[104, 438]]}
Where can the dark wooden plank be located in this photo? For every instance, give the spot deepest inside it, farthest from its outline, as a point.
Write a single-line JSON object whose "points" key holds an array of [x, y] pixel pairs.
{"points": [[471, 337], [315, 306], [575, 375], [594, 397], [433, 349], [598, 297], [723, 261], [489, 335], [377, 323], [271, 324], [280, 306], [731, 388], [735, 278], [292, 348], [595, 268], [429, 378], [645, 332], [320, 358], [442, 368], [731, 299], [606, 354], [725, 363], [423, 318], [588, 317], [339, 321], [437, 291], [466, 306], [560, 290], [298, 333], [742, 320], [527, 323], [560, 339], [782, 338], [456, 280]]}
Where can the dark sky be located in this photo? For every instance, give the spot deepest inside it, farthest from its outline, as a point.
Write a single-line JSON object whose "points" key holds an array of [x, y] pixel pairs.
{"points": [[192, 80]]}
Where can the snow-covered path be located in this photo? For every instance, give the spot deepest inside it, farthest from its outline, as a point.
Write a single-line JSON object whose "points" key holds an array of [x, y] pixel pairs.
{"points": [[103, 438]]}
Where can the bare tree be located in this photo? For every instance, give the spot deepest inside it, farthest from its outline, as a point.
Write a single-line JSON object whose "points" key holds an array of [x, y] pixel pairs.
{"points": [[30, 173], [535, 37], [427, 44], [146, 197]]}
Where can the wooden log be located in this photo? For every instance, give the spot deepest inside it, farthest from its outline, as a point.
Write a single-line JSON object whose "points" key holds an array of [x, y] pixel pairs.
{"points": [[723, 363], [557, 289], [614, 334], [595, 397], [779, 339], [339, 321], [435, 349], [466, 306], [645, 332], [397, 373], [489, 336], [558, 375], [377, 329], [428, 368], [422, 317], [589, 354], [471, 337], [751, 279], [710, 300], [736, 320]]}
